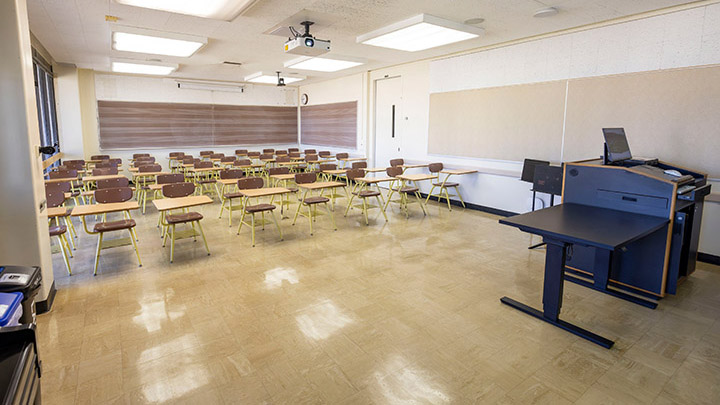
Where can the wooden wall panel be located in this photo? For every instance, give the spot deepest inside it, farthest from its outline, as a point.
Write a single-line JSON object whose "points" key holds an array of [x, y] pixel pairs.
{"points": [[672, 115], [329, 124], [508, 123], [126, 125]]}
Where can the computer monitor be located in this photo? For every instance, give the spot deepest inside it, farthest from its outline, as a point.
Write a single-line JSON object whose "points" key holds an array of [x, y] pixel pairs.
{"points": [[528, 170], [616, 145]]}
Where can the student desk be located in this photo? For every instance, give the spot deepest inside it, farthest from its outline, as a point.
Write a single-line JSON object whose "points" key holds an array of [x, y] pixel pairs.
{"points": [[347, 160], [322, 186], [565, 225], [444, 185], [257, 193]]}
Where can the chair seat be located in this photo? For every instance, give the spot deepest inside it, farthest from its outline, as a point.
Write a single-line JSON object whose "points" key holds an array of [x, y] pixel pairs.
{"points": [[315, 200], [207, 181], [259, 208], [114, 225], [406, 190], [57, 230], [446, 184], [183, 218], [233, 195], [368, 193]]}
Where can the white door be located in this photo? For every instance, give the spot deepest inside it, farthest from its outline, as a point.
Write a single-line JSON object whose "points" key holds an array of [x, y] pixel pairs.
{"points": [[388, 99]]}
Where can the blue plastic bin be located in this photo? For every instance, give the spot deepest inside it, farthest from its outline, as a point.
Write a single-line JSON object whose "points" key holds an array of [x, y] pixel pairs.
{"points": [[10, 309]]}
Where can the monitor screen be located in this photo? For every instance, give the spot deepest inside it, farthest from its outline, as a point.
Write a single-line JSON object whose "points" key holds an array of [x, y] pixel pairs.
{"points": [[528, 170], [617, 145]]}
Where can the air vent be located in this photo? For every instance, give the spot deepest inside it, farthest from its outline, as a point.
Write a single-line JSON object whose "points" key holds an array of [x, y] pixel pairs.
{"points": [[231, 63]]}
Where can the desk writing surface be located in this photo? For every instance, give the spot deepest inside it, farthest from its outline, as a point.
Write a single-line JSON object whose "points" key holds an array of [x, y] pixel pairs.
{"points": [[373, 180], [375, 170], [262, 192], [587, 225], [148, 174], [288, 176], [416, 177], [228, 182], [69, 179], [458, 171], [321, 184], [181, 202], [57, 212], [94, 209], [415, 166], [205, 169], [107, 177], [352, 159], [335, 171]]}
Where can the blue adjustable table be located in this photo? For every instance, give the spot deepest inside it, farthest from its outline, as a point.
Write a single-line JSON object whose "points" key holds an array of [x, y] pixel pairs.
{"points": [[565, 225]]}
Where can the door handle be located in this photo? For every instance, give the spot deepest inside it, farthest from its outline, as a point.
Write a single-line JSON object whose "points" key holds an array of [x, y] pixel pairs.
{"points": [[393, 121]]}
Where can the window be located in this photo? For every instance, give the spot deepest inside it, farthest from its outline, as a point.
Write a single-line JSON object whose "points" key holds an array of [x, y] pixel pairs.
{"points": [[45, 98]]}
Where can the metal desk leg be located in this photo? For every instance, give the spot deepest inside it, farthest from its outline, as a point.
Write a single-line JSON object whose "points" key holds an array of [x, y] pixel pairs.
{"points": [[552, 295]]}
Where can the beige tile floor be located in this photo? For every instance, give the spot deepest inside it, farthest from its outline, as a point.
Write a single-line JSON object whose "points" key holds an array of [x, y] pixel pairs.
{"points": [[404, 312]]}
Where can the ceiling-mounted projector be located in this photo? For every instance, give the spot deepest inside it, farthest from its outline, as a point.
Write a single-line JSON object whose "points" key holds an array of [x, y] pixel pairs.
{"points": [[306, 44]]}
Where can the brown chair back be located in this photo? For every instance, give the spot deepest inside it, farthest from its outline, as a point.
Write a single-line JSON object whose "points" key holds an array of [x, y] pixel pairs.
{"points": [[397, 162], [170, 178], [108, 171], [175, 154], [177, 190], [241, 152], [278, 170], [435, 167], [113, 183], [310, 151], [206, 153], [324, 153], [117, 161], [187, 160], [281, 159], [217, 156], [113, 195], [227, 159], [242, 162], [105, 165], [99, 157], [270, 150], [342, 155], [295, 154], [359, 165], [290, 150], [281, 152], [355, 173], [232, 174], [63, 186], [54, 197], [266, 156], [203, 165], [254, 154], [150, 168], [311, 158], [304, 178], [394, 171], [139, 155], [74, 164], [143, 161], [248, 183], [63, 174], [327, 166]]}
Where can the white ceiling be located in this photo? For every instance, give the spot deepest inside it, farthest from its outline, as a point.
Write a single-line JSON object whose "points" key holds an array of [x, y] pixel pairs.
{"points": [[75, 31]]}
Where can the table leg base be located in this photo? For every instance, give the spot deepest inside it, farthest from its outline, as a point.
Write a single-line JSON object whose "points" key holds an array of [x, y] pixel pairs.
{"points": [[614, 293], [575, 330]]}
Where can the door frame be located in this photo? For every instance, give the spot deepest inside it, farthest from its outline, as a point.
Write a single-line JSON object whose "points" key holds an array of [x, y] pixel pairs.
{"points": [[373, 122]]}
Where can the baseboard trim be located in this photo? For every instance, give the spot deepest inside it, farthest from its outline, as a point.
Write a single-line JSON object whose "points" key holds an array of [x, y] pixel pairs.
{"points": [[477, 207], [45, 306], [708, 258]]}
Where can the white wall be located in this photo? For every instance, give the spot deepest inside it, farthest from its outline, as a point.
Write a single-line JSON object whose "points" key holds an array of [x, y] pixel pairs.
{"points": [[67, 101], [344, 89], [147, 89]]}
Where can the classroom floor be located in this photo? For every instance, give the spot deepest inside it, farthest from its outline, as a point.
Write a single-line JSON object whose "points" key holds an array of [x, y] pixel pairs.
{"points": [[404, 312]]}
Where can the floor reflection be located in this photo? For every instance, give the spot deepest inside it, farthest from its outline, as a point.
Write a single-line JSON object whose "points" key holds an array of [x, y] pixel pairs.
{"points": [[320, 321], [275, 277], [153, 314]]}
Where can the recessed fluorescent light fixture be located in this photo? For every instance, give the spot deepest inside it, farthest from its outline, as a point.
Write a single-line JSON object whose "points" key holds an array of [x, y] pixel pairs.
{"points": [[322, 64], [157, 43], [419, 33], [143, 68], [272, 78], [226, 10]]}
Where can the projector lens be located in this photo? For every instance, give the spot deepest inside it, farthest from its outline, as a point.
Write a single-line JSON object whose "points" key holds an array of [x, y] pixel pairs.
{"points": [[309, 42]]}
